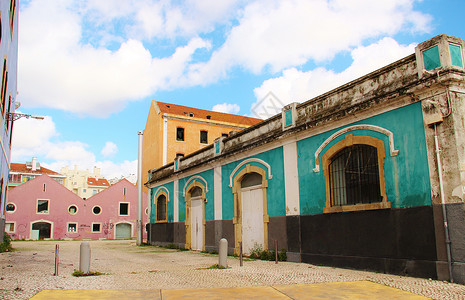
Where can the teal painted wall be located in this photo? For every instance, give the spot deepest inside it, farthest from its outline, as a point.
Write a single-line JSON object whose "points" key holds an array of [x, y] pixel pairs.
{"points": [[406, 175], [209, 205], [275, 192], [169, 206]]}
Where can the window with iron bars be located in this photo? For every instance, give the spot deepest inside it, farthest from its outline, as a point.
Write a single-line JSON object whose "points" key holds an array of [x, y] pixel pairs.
{"points": [[354, 175]]}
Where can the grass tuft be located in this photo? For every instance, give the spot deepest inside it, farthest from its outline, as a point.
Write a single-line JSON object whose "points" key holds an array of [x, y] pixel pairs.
{"points": [[78, 273]]}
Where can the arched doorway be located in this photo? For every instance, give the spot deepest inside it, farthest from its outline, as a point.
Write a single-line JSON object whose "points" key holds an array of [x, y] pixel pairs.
{"points": [[252, 212], [123, 231], [250, 209], [195, 217], [41, 230]]}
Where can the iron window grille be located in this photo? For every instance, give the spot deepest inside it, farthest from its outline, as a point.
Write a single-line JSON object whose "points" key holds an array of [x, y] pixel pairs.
{"points": [[355, 176]]}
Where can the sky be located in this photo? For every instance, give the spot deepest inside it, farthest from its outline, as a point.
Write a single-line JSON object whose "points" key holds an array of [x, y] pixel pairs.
{"points": [[92, 67]]}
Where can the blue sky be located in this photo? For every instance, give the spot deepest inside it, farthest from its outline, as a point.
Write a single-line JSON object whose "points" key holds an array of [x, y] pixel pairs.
{"points": [[93, 67]]}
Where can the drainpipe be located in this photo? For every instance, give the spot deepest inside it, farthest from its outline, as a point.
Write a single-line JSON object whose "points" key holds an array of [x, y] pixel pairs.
{"points": [[140, 229], [443, 204]]}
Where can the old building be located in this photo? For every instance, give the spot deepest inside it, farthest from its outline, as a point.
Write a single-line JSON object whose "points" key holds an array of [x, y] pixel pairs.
{"points": [[9, 53], [370, 175], [175, 131], [21, 173], [43, 209]]}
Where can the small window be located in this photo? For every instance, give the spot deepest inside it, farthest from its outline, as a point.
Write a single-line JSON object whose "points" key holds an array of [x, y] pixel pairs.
{"points": [[124, 191], [96, 227], [94, 192], [10, 207], [251, 179], [96, 210], [124, 209], [180, 134], [83, 190], [288, 117], [10, 227], [72, 227], [456, 55], [224, 135], [196, 192], [44, 188], [161, 208], [431, 58], [147, 211], [191, 114], [203, 137], [42, 206], [209, 117], [72, 209]]}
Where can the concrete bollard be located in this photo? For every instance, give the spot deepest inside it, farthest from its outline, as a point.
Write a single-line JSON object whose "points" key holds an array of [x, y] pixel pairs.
{"points": [[223, 253], [84, 258]]}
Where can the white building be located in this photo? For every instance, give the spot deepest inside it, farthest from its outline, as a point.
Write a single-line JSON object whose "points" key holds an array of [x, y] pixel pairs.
{"points": [[84, 183]]}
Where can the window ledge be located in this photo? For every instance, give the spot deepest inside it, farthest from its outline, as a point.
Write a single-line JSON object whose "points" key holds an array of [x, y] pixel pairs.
{"points": [[356, 207], [161, 221]]}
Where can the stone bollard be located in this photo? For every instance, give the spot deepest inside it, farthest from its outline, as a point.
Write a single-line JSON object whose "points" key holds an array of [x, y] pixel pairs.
{"points": [[84, 258], [223, 253]]}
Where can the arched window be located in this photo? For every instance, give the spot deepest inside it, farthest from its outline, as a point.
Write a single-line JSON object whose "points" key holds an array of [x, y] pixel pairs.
{"points": [[251, 179], [161, 208], [196, 192], [354, 176]]}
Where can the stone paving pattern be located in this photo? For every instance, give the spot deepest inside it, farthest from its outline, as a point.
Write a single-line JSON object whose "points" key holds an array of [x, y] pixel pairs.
{"points": [[30, 269]]}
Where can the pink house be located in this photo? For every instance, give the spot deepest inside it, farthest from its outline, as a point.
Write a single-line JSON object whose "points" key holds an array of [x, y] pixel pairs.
{"points": [[43, 209]]}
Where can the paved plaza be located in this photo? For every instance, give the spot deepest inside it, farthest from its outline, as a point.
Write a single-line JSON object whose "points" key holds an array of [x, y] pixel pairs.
{"points": [[137, 272]]}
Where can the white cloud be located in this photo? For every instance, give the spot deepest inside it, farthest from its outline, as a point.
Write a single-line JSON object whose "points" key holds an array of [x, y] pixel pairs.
{"points": [[227, 108], [89, 57], [282, 34], [111, 170], [35, 138], [110, 149], [56, 70], [298, 86]]}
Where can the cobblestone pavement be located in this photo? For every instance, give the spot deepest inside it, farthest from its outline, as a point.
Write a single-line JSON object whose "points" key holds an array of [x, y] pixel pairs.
{"points": [[30, 269]]}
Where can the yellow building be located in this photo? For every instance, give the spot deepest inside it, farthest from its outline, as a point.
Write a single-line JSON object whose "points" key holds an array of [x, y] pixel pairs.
{"points": [[174, 130]]}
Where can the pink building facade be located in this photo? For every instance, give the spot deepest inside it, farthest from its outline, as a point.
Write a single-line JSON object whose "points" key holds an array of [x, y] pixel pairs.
{"points": [[43, 209]]}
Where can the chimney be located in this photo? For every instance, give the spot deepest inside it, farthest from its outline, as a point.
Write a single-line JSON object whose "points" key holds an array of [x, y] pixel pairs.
{"points": [[96, 172], [34, 163]]}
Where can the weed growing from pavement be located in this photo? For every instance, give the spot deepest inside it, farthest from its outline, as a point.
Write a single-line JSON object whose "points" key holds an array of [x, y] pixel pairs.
{"points": [[258, 253], [5, 246], [78, 273], [214, 267]]}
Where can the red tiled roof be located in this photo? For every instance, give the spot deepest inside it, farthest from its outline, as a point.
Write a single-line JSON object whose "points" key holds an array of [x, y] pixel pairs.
{"points": [[206, 114], [97, 182], [22, 168]]}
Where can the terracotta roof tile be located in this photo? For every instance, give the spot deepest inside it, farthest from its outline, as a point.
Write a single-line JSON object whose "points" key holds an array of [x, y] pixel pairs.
{"points": [[97, 182], [22, 168], [206, 114]]}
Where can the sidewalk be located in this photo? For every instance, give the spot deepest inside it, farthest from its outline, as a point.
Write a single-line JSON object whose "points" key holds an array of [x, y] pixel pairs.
{"points": [[333, 290]]}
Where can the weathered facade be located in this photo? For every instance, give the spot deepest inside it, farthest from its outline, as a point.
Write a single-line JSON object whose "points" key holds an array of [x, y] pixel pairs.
{"points": [[368, 176]]}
